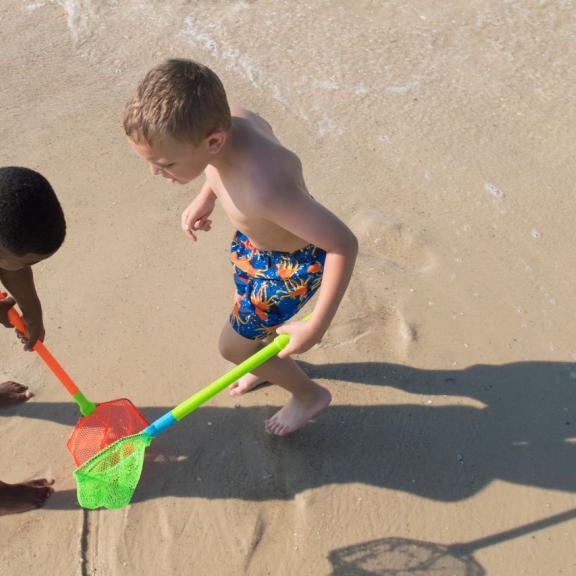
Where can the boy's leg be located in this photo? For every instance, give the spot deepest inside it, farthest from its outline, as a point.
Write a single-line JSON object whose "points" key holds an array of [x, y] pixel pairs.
{"points": [[249, 381], [26, 495], [308, 397]]}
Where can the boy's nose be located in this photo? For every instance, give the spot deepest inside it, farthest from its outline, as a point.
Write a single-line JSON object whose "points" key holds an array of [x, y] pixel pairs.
{"points": [[155, 170]]}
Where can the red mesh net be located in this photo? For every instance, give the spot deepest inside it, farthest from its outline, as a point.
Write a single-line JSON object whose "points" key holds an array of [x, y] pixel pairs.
{"points": [[109, 422]]}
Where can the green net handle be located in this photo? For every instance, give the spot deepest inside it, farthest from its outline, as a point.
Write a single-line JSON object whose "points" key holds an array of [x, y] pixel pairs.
{"points": [[86, 406], [250, 364]]}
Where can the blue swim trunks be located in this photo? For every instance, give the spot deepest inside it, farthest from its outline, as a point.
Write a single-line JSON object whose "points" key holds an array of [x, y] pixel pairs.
{"points": [[271, 286]]}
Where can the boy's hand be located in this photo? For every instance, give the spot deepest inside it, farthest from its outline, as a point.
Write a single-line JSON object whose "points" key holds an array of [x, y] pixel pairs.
{"points": [[35, 326], [36, 332], [195, 217], [303, 335], [5, 305]]}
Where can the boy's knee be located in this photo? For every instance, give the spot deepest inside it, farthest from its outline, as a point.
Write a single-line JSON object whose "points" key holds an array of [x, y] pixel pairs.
{"points": [[235, 348], [228, 351]]}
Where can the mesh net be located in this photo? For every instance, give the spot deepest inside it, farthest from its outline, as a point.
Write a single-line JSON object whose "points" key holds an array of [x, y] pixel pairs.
{"points": [[109, 479], [109, 422]]}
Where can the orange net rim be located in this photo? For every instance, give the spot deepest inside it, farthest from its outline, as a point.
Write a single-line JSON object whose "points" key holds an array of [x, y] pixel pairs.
{"points": [[111, 421]]}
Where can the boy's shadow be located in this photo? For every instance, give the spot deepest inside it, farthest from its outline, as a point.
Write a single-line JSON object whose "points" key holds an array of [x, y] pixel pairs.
{"points": [[521, 430]]}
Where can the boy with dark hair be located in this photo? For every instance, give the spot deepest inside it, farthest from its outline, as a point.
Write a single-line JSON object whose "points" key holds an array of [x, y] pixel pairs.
{"points": [[287, 245], [32, 228]]}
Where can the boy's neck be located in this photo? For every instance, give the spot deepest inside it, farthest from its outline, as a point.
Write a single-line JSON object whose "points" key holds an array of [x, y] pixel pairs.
{"points": [[230, 151]]}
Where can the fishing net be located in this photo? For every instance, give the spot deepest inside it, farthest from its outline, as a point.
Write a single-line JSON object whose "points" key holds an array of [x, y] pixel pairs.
{"points": [[109, 479], [107, 424]]}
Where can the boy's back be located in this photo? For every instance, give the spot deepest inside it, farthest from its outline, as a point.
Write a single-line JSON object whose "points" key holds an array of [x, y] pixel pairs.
{"points": [[262, 170]]}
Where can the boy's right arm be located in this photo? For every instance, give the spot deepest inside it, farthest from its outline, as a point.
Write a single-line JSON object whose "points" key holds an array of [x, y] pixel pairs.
{"points": [[195, 217], [20, 283], [296, 211]]}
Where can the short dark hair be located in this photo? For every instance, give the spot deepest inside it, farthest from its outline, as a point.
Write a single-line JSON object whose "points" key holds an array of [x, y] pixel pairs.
{"points": [[31, 218]]}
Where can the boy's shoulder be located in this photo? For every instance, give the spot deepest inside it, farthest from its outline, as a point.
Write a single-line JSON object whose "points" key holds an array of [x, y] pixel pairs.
{"points": [[238, 111], [263, 150], [273, 171]]}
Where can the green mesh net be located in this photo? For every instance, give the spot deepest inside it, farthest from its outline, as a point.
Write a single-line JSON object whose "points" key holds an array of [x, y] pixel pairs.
{"points": [[110, 477]]}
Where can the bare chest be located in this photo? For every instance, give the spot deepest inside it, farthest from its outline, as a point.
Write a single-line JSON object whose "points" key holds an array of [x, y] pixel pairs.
{"points": [[237, 201], [232, 197]]}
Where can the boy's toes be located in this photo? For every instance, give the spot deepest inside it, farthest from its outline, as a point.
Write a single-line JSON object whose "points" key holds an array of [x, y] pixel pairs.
{"points": [[41, 483], [233, 389], [269, 425], [13, 393], [246, 384], [276, 427]]}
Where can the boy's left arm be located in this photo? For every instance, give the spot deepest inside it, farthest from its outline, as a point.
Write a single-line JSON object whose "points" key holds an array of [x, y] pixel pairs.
{"points": [[300, 214], [20, 284]]}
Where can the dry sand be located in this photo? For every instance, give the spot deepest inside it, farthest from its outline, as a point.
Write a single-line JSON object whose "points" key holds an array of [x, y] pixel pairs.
{"points": [[444, 134]]}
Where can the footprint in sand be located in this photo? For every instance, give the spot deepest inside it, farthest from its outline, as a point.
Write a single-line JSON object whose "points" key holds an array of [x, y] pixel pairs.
{"points": [[391, 245], [371, 319], [383, 331]]}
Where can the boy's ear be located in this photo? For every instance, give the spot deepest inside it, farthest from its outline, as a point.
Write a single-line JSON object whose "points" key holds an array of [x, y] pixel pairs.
{"points": [[215, 141]]}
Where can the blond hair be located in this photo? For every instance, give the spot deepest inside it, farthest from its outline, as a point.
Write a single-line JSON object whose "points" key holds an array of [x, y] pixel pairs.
{"points": [[179, 98]]}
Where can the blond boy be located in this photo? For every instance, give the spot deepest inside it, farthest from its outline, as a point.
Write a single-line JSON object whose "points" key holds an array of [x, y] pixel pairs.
{"points": [[287, 245]]}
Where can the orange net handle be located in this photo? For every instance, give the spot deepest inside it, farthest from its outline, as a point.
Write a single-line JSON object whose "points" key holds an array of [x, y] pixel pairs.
{"points": [[54, 365], [18, 323]]}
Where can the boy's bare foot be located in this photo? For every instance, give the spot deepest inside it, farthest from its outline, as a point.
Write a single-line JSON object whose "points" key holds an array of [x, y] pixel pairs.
{"points": [[298, 411], [13, 393], [26, 496], [245, 384]]}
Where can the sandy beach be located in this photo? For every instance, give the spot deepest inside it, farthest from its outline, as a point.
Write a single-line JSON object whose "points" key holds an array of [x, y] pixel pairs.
{"points": [[443, 134]]}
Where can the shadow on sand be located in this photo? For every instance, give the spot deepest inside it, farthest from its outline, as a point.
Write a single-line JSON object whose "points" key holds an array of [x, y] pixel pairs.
{"points": [[522, 432], [394, 556]]}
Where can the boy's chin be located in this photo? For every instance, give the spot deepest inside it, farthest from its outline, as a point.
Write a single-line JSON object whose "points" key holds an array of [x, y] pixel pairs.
{"points": [[180, 180]]}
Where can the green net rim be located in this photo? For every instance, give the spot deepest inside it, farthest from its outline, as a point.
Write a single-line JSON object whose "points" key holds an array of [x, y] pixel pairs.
{"points": [[148, 437]]}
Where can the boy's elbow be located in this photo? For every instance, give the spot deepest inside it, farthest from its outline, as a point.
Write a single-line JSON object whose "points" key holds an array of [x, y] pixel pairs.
{"points": [[348, 245], [352, 244]]}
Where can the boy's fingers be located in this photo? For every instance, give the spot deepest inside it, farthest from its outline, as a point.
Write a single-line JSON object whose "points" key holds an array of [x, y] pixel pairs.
{"points": [[202, 224], [30, 342], [285, 352], [187, 228], [6, 322]]}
